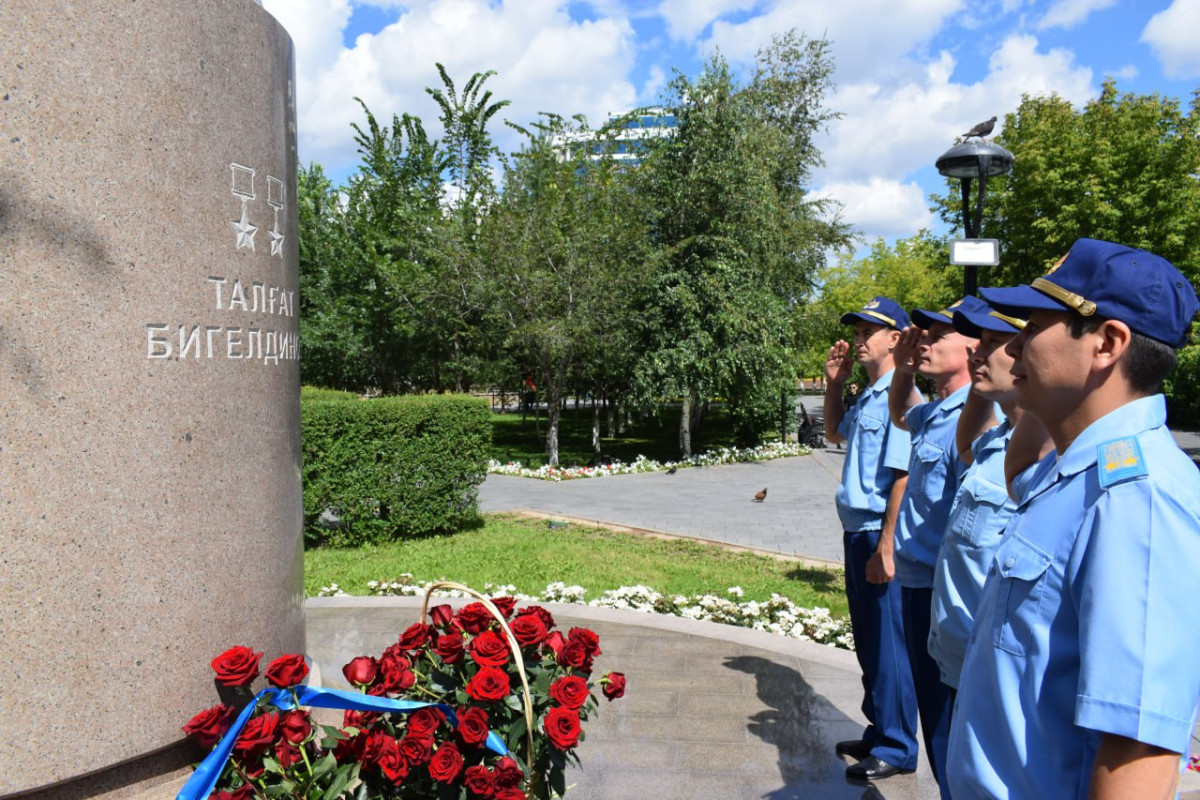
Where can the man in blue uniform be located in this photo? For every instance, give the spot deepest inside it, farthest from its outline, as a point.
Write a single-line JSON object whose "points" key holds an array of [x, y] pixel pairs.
{"points": [[936, 350], [873, 480], [982, 506], [1083, 675]]}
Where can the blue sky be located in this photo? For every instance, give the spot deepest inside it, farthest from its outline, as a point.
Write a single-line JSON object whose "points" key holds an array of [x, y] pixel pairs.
{"points": [[910, 74]]}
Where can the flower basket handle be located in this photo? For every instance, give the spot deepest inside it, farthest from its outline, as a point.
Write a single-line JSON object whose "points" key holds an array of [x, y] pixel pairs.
{"points": [[514, 646]]}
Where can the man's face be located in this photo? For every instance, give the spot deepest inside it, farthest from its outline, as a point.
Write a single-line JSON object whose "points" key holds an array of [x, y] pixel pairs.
{"points": [[1050, 367], [872, 343], [944, 352], [991, 367]]}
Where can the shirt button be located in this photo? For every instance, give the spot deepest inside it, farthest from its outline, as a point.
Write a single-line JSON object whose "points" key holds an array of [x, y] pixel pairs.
{"points": [[1009, 563]]}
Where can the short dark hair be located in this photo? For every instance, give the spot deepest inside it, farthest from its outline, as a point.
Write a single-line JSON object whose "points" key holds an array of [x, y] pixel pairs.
{"points": [[1149, 361]]}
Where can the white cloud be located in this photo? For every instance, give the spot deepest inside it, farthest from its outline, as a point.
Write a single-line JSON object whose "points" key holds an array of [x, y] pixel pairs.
{"points": [[892, 129], [868, 37], [1171, 34], [544, 61], [879, 207], [687, 19], [1067, 14]]}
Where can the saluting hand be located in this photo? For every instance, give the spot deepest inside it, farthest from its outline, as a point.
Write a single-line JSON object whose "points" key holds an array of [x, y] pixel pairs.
{"points": [[908, 349], [840, 363]]}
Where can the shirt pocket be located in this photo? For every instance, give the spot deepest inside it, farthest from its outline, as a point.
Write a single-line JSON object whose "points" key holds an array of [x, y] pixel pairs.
{"points": [[929, 460], [981, 515], [1024, 572]]}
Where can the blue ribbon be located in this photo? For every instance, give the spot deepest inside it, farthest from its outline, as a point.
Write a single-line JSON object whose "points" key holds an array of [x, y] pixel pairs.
{"points": [[201, 784]]}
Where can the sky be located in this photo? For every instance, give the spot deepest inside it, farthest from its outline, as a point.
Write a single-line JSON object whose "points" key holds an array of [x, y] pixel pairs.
{"points": [[910, 75]]}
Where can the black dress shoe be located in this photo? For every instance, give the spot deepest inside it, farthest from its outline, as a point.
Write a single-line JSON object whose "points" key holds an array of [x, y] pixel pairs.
{"points": [[855, 748], [872, 769]]}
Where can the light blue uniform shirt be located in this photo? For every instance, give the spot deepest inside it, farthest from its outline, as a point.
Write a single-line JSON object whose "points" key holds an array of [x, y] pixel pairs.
{"points": [[1087, 622], [875, 450], [932, 481], [977, 518]]}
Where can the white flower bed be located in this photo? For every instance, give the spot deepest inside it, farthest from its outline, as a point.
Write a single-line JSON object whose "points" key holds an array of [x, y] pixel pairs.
{"points": [[724, 455], [779, 615]]}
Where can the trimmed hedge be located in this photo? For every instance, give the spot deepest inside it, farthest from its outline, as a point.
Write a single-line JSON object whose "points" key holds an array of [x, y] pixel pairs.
{"points": [[392, 467]]}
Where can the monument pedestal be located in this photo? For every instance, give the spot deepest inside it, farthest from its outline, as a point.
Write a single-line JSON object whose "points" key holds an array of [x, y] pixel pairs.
{"points": [[149, 383]]}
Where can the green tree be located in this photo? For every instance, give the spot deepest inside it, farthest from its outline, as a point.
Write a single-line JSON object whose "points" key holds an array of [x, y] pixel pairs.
{"points": [[737, 239], [561, 239], [1123, 169]]}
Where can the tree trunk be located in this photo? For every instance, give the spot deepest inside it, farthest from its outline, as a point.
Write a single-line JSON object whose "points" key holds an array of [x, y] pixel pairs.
{"points": [[685, 426], [553, 414], [610, 412], [596, 427]]}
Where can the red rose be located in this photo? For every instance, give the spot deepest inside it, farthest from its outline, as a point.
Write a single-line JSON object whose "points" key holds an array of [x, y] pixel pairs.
{"points": [[474, 618], [246, 792], [258, 735], [446, 763], [505, 605], [287, 754], [350, 750], [395, 769], [360, 719], [614, 685], [488, 685], [210, 725], [425, 721], [376, 746], [509, 793], [575, 655], [528, 630], [472, 726], [416, 749], [395, 673], [295, 726], [450, 647], [383, 751], [570, 691], [361, 671], [489, 650], [441, 616], [540, 613], [507, 774], [591, 642], [416, 636], [557, 643], [562, 727], [287, 671], [479, 781], [237, 666]]}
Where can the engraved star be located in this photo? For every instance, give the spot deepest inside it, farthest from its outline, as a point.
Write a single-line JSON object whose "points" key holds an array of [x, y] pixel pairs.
{"points": [[276, 243], [245, 232]]}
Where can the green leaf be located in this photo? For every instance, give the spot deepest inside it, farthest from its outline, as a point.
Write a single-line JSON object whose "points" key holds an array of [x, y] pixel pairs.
{"points": [[558, 781], [324, 765], [345, 775]]}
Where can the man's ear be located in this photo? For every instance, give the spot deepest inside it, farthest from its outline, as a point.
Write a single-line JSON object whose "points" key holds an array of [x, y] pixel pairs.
{"points": [[893, 337], [1111, 343]]}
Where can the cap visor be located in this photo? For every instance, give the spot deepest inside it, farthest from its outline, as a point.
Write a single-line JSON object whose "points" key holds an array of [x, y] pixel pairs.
{"points": [[924, 319], [1018, 301], [974, 323], [854, 317]]}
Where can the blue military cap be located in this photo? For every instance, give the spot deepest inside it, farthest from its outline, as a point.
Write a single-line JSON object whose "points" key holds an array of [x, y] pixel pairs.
{"points": [[879, 311], [1114, 281], [925, 318], [974, 322]]}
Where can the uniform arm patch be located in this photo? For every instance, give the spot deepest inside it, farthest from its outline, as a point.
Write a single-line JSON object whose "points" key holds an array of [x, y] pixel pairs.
{"points": [[1120, 460]]}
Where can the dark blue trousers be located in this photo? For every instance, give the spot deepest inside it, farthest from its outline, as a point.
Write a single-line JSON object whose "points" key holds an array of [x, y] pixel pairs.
{"points": [[934, 698], [889, 700]]}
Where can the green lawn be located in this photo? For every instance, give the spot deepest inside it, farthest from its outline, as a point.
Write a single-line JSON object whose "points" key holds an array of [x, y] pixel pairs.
{"points": [[528, 555], [656, 437]]}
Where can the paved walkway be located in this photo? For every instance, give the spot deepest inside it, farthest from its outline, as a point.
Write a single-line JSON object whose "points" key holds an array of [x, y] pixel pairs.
{"points": [[713, 503]]}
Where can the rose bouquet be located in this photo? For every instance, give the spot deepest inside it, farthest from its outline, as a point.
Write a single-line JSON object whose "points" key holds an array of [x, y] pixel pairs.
{"points": [[484, 702]]}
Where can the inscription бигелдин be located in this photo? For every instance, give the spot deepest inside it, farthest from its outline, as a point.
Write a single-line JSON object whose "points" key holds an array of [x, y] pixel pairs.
{"points": [[200, 340]]}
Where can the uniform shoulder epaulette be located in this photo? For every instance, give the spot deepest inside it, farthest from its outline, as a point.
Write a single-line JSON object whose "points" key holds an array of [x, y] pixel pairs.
{"points": [[1120, 460]]}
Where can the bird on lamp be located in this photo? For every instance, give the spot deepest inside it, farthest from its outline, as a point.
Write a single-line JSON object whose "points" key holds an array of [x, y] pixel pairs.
{"points": [[760, 496], [982, 129]]}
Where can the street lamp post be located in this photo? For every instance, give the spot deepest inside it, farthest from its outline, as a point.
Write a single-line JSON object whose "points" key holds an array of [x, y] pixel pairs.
{"points": [[969, 161]]}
